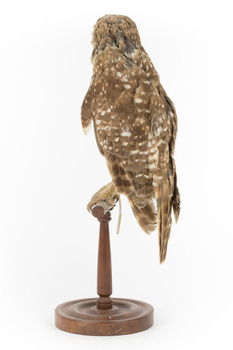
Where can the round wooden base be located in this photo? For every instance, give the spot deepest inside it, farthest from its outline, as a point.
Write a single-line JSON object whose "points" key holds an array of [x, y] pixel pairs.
{"points": [[83, 317]]}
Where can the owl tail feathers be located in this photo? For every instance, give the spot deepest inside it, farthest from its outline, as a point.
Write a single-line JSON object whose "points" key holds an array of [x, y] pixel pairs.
{"points": [[164, 225], [146, 215], [176, 203]]}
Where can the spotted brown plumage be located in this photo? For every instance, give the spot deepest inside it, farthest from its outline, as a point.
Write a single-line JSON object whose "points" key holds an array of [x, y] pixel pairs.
{"points": [[135, 124]]}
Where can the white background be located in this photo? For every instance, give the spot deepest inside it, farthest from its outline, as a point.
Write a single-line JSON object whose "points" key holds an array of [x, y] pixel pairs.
{"points": [[49, 169]]}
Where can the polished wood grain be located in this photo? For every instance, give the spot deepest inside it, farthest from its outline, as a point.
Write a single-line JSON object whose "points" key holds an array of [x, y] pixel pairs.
{"points": [[125, 317], [104, 272], [104, 315]]}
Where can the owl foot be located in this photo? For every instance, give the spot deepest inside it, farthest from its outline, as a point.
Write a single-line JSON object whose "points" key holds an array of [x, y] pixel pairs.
{"points": [[107, 193]]}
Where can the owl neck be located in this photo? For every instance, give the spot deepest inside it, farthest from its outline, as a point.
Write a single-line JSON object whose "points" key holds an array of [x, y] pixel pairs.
{"points": [[111, 58]]}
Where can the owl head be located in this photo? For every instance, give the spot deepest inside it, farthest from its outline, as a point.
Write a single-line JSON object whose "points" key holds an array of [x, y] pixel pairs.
{"points": [[118, 31]]}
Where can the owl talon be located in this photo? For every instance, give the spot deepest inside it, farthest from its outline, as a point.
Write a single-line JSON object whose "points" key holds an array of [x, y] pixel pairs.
{"points": [[107, 194], [92, 204]]}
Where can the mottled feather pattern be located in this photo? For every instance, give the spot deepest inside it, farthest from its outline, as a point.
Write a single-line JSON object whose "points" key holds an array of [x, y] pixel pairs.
{"points": [[135, 124]]}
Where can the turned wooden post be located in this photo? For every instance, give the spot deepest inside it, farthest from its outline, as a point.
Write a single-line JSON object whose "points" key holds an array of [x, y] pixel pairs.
{"points": [[104, 269], [103, 315]]}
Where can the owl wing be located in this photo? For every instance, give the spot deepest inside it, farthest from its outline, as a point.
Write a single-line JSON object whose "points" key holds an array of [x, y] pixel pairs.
{"points": [[164, 125], [122, 123], [87, 106]]}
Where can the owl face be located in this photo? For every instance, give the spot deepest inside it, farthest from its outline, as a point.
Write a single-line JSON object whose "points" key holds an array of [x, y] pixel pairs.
{"points": [[117, 31]]}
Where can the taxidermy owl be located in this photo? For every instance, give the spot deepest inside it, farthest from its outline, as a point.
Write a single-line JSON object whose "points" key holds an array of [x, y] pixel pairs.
{"points": [[135, 126]]}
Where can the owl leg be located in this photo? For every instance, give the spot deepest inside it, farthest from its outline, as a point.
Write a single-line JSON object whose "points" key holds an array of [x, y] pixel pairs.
{"points": [[107, 193]]}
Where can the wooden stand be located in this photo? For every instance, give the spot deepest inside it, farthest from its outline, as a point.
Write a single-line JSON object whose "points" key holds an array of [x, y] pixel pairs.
{"points": [[104, 315]]}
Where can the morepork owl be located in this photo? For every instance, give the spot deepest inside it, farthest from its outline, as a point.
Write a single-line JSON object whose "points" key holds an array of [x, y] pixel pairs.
{"points": [[135, 126]]}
